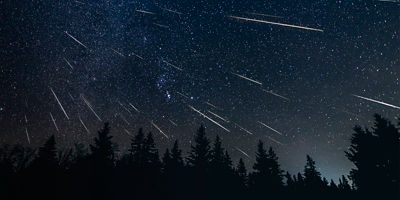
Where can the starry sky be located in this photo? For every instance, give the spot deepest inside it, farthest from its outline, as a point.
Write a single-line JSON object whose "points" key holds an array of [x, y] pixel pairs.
{"points": [[296, 74]]}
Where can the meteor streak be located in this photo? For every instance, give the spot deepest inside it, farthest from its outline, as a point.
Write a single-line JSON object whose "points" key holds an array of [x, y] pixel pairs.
{"points": [[124, 119], [265, 15], [249, 79], [275, 94], [76, 40], [134, 107], [117, 52], [244, 153], [376, 101], [155, 126], [90, 106], [270, 128], [127, 132], [212, 105], [71, 97], [145, 12], [26, 120], [173, 122], [173, 11], [160, 25], [180, 69], [247, 131], [191, 107], [182, 95], [218, 116], [136, 55], [122, 105], [276, 23], [276, 141], [84, 126], [59, 103], [27, 135], [54, 122], [69, 64]]}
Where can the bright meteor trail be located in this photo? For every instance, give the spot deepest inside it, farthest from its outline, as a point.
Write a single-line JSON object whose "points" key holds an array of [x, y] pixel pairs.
{"points": [[249, 79], [145, 12], [59, 103], [90, 106], [244, 153], [191, 107], [270, 128], [54, 122], [219, 117], [276, 23], [376, 101], [76, 40], [155, 126], [180, 69]]}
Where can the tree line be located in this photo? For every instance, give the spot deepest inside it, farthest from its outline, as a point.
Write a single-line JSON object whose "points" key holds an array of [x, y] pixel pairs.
{"points": [[207, 172]]}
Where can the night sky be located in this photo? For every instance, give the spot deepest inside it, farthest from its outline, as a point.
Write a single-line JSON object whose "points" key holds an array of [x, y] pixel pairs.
{"points": [[169, 66]]}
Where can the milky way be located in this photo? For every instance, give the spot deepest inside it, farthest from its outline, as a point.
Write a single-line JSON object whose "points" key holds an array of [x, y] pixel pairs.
{"points": [[69, 66]]}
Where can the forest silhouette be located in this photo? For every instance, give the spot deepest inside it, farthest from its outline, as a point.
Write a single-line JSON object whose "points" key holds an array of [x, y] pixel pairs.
{"points": [[208, 172]]}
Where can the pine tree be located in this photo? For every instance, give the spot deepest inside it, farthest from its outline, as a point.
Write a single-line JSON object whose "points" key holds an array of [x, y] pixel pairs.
{"points": [[151, 152], [199, 155], [312, 178], [267, 172], [103, 150], [344, 185], [176, 156], [47, 156], [217, 155], [376, 157], [242, 172]]}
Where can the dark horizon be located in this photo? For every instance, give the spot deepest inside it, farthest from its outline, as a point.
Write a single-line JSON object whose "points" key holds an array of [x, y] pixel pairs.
{"points": [[208, 167]]}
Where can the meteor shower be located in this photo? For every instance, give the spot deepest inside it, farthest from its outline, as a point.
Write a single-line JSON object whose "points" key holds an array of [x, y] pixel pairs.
{"points": [[199, 100]]}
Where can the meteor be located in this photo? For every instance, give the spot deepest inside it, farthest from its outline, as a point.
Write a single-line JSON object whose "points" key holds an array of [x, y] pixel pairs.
{"points": [[54, 122], [218, 116], [69, 64], [127, 132], [134, 107], [59, 103], [376, 101], [84, 126], [243, 129], [124, 119], [270, 128], [127, 110], [145, 12], [265, 15], [160, 25], [173, 11], [212, 105], [275, 23], [76, 40], [155, 126], [244, 153], [69, 94], [90, 106], [183, 95], [249, 79], [191, 107], [136, 55], [173, 122], [27, 135], [117, 52], [180, 69], [276, 141], [275, 94], [26, 120]]}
